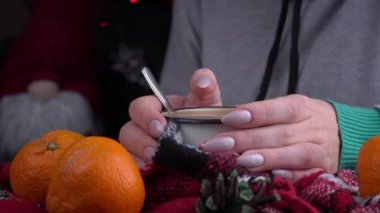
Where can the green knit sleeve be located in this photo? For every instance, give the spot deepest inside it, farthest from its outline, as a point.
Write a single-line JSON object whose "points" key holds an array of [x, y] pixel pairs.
{"points": [[356, 125]]}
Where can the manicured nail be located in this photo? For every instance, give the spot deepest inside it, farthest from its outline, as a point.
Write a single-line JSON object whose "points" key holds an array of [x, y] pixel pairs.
{"points": [[250, 160], [203, 82], [156, 128], [219, 144], [149, 152], [237, 117], [283, 173]]}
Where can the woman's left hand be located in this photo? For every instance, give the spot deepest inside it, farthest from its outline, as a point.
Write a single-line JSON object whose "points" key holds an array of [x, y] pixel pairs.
{"points": [[291, 136]]}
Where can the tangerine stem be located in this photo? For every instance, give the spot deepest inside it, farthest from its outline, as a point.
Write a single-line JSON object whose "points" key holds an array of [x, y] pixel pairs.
{"points": [[52, 146]]}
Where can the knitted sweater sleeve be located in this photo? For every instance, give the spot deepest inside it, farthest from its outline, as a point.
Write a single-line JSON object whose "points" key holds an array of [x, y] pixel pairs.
{"points": [[356, 125]]}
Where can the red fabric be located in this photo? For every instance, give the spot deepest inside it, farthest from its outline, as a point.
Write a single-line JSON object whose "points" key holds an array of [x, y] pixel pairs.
{"points": [[324, 192], [56, 44], [290, 201], [15, 205], [8, 202], [314, 193], [183, 205], [164, 185], [4, 176], [169, 190]]}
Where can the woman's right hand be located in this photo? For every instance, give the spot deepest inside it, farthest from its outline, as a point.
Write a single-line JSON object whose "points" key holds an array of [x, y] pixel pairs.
{"points": [[139, 135]]}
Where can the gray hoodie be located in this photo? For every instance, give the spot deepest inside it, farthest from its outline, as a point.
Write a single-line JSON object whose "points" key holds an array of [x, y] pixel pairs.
{"points": [[339, 48]]}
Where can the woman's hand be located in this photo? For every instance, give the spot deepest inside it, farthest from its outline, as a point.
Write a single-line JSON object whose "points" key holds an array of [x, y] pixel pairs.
{"points": [[139, 135], [292, 136]]}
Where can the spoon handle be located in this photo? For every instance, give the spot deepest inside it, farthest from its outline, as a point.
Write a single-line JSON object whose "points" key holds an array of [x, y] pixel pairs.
{"points": [[149, 77]]}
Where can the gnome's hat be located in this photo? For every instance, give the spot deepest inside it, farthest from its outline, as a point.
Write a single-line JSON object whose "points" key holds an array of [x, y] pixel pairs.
{"points": [[56, 44]]}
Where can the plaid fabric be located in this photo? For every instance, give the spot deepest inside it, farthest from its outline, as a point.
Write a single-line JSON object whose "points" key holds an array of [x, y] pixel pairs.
{"points": [[180, 168], [339, 192], [171, 190], [165, 185]]}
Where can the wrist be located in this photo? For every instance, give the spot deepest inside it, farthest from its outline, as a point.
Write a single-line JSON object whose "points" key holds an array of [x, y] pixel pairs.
{"points": [[356, 125]]}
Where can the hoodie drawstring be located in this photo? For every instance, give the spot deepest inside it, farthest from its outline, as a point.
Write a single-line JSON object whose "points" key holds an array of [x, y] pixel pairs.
{"points": [[294, 56]]}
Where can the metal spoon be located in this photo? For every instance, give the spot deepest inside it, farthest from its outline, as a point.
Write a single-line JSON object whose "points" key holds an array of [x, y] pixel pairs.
{"points": [[154, 87]]}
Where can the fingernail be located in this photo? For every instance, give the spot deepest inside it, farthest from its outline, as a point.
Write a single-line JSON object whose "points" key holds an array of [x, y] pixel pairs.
{"points": [[237, 117], [250, 160], [149, 152], [219, 144], [156, 128], [203, 82], [282, 173]]}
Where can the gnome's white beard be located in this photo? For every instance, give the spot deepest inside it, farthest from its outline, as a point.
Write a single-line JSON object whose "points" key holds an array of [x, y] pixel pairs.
{"points": [[23, 118]]}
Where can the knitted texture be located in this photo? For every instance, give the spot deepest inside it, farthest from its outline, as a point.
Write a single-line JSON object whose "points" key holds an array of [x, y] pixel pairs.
{"points": [[171, 152], [170, 190], [164, 185], [167, 181], [356, 126], [22, 118]]}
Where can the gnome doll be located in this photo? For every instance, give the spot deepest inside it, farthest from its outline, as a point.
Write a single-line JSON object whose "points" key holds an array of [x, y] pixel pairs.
{"points": [[47, 81]]}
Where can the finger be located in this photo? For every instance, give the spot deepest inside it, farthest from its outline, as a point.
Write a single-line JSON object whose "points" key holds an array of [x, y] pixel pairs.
{"points": [[139, 162], [294, 175], [204, 89], [274, 136], [295, 157], [282, 110], [177, 101], [137, 141], [145, 112]]}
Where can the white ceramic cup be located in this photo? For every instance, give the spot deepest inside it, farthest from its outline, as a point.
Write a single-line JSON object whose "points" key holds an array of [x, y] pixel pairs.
{"points": [[197, 124]]}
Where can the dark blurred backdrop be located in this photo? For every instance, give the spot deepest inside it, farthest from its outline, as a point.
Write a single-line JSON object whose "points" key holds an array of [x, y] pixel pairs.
{"points": [[129, 34]]}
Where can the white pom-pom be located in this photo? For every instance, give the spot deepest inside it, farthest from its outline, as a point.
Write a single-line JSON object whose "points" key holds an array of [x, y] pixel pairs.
{"points": [[24, 118]]}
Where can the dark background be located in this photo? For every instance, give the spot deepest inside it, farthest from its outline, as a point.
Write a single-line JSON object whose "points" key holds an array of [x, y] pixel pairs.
{"points": [[128, 35], [142, 28]]}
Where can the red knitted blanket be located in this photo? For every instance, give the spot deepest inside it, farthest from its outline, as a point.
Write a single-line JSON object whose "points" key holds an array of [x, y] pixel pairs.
{"points": [[171, 190]]}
